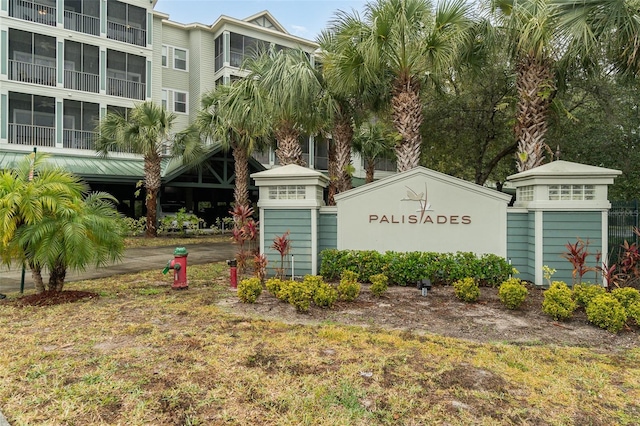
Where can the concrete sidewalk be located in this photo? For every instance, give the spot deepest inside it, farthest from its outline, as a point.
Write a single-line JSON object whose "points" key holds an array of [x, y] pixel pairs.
{"points": [[134, 260]]}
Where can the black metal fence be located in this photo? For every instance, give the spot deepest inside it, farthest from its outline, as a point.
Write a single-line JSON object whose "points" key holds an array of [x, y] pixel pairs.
{"points": [[623, 218]]}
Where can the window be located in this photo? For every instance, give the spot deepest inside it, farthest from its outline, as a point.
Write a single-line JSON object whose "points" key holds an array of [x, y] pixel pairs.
{"points": [[572, 192], [180, 59], [525, 193], [165, 56], [165, 99], [287, 192], [180, 102]]}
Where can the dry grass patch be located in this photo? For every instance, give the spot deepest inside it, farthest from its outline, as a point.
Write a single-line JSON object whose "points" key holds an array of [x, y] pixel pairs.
{"points": [[144, 354]]}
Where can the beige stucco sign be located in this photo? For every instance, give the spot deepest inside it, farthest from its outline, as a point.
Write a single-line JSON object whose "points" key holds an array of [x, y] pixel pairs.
{"points": [[423, 210]]}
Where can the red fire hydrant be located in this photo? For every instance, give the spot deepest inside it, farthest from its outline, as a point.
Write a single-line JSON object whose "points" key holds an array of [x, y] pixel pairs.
{"points": [[179, 266], [233, 272]]}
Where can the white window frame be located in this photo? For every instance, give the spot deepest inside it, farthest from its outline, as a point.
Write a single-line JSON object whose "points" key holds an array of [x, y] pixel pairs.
{"points": [[175, 100], [165, 56], [186, 59], [165, 99]]}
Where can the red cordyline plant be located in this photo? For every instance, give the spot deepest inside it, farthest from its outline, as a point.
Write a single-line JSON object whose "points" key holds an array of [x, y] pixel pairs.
{"points": [[260, 266], [577, 254], [245, 234], [281, 244]]}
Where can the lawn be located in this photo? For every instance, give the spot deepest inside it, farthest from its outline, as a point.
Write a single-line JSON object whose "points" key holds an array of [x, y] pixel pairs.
{"points": [[143, 354]]}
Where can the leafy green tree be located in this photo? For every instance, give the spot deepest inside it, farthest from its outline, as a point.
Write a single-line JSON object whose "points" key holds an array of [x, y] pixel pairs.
{"points": [[31, 192], [374, 142], [398, 46], [85, 232], [147, 131], [291, 92], [235, 116]]}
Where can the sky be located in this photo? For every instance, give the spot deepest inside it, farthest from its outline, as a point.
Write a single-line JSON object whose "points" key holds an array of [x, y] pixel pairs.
{"points": [[302, 18]]}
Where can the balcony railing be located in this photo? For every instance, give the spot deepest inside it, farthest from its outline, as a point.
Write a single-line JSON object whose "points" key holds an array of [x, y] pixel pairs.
{"points": [[26, 134], [33, 11], [126, 88], [126, 33], [81, 81], [83, 23], [32, 73], [79, 139]]}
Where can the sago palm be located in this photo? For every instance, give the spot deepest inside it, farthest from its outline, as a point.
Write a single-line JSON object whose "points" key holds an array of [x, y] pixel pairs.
{"points": [[398, 45], [29, 194], [148, 131]]}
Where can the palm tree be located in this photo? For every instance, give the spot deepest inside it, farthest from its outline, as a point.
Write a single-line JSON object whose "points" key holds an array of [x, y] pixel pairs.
{"points": [[29, 194], [374, 142], [397, 45], [147, 131], [235, 116], [292, 91], [85, 232]]}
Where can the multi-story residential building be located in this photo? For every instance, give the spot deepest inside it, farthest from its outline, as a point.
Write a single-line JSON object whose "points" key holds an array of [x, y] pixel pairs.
{"points": [[65, 63]]}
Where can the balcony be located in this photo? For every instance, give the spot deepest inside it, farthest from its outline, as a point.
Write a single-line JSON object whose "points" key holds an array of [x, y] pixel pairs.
{"points": [[236, 59], [219, 61], [83, 81], [82, 23], [32, 73], [33, 11], [126, 88], [26, 134], [79, 139], [126, 33]]}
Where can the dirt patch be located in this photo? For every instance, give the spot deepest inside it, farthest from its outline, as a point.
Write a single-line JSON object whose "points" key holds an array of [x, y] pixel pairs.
{"points": [[50, 298], [404, 308]]}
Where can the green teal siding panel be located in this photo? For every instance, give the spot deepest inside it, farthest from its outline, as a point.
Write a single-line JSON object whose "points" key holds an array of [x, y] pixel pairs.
{"points": [[60, 63], [327, 231], [560, 228], [5, 5], [4, 55], [149, 28], [4, 115], [298, 223], [531, 250], [149, 65], [518, 243], [59, 122]]}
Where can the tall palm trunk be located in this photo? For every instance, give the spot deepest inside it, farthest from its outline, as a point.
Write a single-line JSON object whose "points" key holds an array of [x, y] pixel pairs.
{"points": [[289, 150], [241, 167], [406, 111], [536, 87], [333, 173], [370, 169], [343, 134], [153, 177]]}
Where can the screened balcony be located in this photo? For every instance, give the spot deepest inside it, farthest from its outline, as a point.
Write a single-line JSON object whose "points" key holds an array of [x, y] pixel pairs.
{"points": [[82, 16], [32, 58], [40, 11], [79, 122], [126, 23], [126, 75], [81, 67], [31, 120]]}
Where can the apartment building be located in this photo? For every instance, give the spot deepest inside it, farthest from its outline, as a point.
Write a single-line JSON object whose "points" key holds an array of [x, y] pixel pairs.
{"points": [[64, 64]]}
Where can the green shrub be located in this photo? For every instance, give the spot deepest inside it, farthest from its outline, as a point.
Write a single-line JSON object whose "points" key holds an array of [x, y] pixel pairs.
{"points": [[249, 290], [182, 222], [273, 286], [296, 293], [325, 295], [512, 293], [378, 284], [313, 281], [467, 289], [558, 301], [607, 312], [349, 287], [584, 293], [492, 270], [627, 296], [369, 262], [633, 312]]}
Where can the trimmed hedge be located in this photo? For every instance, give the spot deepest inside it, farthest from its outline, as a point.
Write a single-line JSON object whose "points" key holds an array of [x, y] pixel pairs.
{"points": [[408, 268]]}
